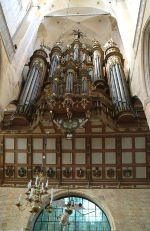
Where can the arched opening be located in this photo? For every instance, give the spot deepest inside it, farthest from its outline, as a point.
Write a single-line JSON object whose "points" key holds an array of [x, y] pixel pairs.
{"points": [[91, 218]]}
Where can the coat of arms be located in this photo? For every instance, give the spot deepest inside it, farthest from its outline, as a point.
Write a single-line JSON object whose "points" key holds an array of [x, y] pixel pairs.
{"points": [[127, 172], [22, 171], [9, 170], [97, 172], [111, 173], [80, 173], [37, 170], [50, 173], [67, 173]]}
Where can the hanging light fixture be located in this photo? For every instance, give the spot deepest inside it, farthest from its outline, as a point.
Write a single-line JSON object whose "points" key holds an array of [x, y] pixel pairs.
{"points": [[38, 193]]}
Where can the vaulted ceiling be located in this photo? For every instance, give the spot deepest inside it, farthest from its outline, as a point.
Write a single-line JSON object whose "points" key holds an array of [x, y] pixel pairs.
{"points": [[95, 18]]}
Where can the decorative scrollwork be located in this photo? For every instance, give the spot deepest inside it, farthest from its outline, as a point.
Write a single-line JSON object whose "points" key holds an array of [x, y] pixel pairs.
{"points": [[114, 60]]}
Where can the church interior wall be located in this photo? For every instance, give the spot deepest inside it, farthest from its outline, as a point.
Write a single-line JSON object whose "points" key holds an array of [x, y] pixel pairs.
{"points": [[125, 208], [132, 207]]}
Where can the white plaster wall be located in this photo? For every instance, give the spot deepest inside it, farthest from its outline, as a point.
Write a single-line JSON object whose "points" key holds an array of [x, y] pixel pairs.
{"points": [[11, 71], [14, 11]]}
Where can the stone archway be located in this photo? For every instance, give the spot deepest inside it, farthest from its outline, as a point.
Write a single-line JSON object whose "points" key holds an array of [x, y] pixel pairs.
{"points": [[88, 195]]}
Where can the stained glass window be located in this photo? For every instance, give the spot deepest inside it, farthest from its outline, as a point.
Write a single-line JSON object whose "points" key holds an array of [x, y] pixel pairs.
{"points": [[91, 218]]}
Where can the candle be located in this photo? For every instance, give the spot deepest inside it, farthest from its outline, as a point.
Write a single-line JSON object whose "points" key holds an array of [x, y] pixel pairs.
{"points": [[36, 181], [47, 183], [29, 184], [31, 193], [19, 199], [51, 198]]}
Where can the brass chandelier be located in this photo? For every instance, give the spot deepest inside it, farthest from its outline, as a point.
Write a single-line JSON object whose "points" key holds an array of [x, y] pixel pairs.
{"points": [[39, 192]]}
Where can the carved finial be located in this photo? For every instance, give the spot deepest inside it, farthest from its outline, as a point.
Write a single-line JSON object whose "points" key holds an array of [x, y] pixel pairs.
{"points": [[95, 41], [43, 44], [110, 43], [59, 43], [69, 45], [78, 34]]}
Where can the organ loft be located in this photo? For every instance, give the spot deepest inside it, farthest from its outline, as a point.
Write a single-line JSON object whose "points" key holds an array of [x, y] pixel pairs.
{"points": [[78, 84]]}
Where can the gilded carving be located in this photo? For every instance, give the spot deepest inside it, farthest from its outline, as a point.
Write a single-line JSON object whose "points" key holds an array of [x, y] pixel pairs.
{"points": [[110, 43], [38, 64], [114, 60]]}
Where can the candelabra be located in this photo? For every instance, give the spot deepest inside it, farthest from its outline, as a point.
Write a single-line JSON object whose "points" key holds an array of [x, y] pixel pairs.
{"points": [[37, 195]]}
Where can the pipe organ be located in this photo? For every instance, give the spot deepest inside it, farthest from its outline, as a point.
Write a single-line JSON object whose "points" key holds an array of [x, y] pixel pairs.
{"points": [[79, 82], [79, 97]]}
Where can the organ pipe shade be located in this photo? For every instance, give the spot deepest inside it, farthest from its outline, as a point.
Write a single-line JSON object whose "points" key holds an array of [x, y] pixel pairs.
{"points": [[119, 88]]}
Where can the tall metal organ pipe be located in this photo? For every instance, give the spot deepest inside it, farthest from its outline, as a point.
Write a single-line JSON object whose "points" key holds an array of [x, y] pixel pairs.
{"points": [[118, 85], [36, 75], [25, 91]]}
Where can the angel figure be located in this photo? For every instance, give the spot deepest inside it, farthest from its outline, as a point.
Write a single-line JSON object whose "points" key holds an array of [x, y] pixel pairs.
{"points": [[69, 207]]}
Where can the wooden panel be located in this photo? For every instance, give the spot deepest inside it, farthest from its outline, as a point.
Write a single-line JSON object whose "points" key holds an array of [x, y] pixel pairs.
{"points": [[51, 143], [51, 158], [9, 157], [96, 143], [80, 158], [66, 158], [37, 158], [22, 143], [79, 143], [66, 144], [22, 158], [97, 130], [110, 158], [126, 157], [140, 157], [126, 142], [139, 142], [108, 129], [9, 143], [96, 158], [37, 143], [140, 172], [110, 143]]}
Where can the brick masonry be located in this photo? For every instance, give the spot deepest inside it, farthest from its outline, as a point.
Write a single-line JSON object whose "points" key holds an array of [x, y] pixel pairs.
{"points": [[126, 209]]}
